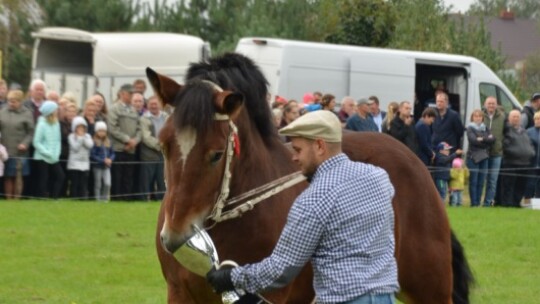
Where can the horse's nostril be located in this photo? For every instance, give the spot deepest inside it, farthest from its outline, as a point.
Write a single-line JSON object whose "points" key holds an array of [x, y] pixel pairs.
{"points": [[169, 244]]}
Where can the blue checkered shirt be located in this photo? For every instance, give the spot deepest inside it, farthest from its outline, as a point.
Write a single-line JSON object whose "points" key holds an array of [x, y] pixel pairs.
{"points": [[344, 223]]}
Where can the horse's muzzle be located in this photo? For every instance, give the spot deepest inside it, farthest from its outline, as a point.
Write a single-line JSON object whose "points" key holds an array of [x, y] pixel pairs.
{"points": [[171, 241]]}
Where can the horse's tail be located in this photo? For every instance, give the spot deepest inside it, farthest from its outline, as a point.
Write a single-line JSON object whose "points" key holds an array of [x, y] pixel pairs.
{"points": [[463, 277]]}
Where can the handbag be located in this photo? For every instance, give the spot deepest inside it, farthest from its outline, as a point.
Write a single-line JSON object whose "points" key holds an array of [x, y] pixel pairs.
{"points": [[479, 155]]}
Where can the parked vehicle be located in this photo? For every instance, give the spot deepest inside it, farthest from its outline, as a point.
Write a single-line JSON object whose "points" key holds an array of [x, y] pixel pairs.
{"points": [[81, 62], [294, 68]]}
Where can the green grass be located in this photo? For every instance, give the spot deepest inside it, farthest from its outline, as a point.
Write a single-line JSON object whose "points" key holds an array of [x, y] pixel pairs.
{"points": [[79, 252], [86, 252], [503, 249]]}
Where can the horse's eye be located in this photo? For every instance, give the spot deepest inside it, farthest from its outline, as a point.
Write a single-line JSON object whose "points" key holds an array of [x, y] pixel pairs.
{"points": [[216, 157]]}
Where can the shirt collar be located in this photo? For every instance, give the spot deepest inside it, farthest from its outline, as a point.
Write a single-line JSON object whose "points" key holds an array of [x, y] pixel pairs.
{"points": [[329, 164]]}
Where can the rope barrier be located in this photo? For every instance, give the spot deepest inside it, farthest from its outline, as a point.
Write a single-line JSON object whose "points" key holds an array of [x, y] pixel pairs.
{"points": [[432, 169]]}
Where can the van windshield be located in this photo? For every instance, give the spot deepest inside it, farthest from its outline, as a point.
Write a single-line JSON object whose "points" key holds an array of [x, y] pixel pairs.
{"points": [[489, 89]]}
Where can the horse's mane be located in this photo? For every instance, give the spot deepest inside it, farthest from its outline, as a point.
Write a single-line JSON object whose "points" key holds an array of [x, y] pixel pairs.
{"points": [[237, 73], [192, 108]]}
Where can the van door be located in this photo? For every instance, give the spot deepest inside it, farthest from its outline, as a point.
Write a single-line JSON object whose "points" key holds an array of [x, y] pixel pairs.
{"points": [[389, 77], [77, 86]]}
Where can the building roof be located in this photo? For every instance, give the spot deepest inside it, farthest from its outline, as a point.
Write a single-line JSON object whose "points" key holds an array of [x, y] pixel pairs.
{"points": [[516, 37]]}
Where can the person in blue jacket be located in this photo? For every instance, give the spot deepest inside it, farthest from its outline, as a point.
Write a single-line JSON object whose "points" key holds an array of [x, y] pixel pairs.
{"points": [[47, 144]]}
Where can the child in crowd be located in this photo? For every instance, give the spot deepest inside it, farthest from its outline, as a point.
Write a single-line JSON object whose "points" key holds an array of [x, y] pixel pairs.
{"points": [[80, 143], [102, 155], [458, 178], [47, 147], [3, 158], [443, 163]]}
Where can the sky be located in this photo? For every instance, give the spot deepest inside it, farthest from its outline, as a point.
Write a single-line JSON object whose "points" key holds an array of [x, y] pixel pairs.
{"points": [[458, 5]]}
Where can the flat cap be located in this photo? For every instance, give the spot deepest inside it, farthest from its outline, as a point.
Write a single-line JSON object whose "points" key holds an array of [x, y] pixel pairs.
{"points": [[127, 87], [362, 101], [320, 124]]}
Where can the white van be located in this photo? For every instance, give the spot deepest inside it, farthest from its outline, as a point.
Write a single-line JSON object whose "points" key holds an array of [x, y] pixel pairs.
{"points": [[294, 68], [80, 62]]}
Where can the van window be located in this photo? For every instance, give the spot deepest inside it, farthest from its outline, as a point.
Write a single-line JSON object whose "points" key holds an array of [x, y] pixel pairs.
{"points": [[489, 89]]}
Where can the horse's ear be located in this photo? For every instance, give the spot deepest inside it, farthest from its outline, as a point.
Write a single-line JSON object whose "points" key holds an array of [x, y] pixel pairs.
{"points": [[229, 103], [165, 87]]}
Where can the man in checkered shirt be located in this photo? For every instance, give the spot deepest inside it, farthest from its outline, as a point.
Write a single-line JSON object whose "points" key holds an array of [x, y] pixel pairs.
{"points": [[343, 222]]}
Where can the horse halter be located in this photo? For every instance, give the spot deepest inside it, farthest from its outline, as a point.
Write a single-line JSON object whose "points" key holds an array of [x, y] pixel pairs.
{"points": [[265, 191]]}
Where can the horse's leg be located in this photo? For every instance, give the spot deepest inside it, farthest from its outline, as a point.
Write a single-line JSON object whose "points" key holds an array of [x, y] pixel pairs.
{"points": [[425, 278]]}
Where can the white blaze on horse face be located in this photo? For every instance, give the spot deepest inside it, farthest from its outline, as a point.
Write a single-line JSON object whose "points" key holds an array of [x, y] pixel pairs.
{"points": [[186, 140]]}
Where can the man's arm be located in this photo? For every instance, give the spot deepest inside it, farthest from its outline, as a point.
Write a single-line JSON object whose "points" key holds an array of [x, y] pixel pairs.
{"points": [[146, 135], [114, 129], [294, 249]]}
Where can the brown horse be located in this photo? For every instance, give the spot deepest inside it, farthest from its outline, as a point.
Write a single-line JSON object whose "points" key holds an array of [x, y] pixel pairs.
{"points": [[222, 124]]}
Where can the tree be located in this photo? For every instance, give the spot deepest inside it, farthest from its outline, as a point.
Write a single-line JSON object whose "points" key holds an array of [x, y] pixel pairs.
{"points": [[222, 23], [531, 73], [425, 25], [422, 25], [365, 22], [92, 16], [21, 17]]}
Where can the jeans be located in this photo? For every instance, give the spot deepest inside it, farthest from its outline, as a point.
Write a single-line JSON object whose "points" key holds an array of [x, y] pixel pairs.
{"points": [[477, 173], [494, 165], [456, 197], [442, 187], [373, 299], [102, 183], [532, 189], [152, 181]]}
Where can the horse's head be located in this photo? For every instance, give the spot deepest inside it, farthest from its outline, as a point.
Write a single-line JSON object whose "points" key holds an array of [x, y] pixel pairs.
{"points": [[197, 141]]}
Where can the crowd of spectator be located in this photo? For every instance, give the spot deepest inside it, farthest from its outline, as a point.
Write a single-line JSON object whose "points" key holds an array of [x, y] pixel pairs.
{"points": [[505, 145], [51, 148]]}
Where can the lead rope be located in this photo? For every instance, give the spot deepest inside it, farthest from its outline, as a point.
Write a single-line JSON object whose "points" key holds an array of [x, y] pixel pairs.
{"points": [[249, 205]]}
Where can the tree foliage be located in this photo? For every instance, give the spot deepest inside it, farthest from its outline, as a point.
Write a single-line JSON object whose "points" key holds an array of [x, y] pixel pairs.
{"points": [[93, 16], [404, 24], [21, 17], [364, 22], [531, 72]]}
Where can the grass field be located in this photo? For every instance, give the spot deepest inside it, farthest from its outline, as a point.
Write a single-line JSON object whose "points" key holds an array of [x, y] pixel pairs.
{"points": [[86, 252]]}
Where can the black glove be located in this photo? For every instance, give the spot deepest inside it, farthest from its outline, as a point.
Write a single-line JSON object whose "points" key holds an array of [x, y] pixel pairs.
{"points": [[220, 279]]}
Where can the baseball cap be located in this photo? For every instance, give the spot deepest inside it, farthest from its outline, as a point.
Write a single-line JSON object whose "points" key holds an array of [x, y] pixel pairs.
{"points": [[308, 98], [443, 146], [535, 96], [320, 124]]}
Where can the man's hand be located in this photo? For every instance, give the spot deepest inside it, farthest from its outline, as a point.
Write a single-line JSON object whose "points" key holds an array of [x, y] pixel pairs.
{"points": [[130, 145], [220, 279]]}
